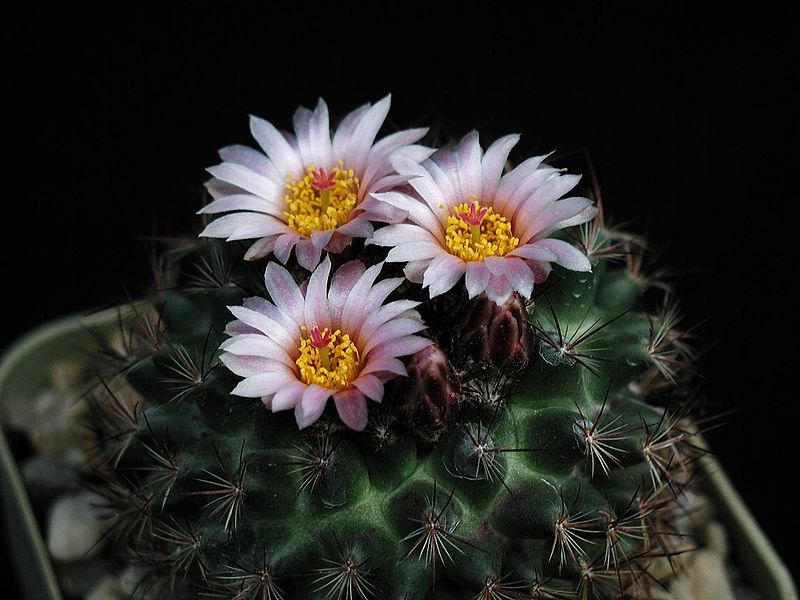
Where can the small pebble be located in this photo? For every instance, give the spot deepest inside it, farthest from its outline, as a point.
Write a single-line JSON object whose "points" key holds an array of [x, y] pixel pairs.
{"points": [[74, 528]]}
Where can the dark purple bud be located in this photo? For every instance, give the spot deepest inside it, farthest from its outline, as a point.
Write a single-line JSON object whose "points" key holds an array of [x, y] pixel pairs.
{"points": [[433, 385], [496, 335]]}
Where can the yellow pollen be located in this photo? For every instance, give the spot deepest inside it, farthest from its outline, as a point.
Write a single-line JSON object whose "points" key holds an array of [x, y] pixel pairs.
{"points": [[492, 237], [333, 366], [311, 209]]}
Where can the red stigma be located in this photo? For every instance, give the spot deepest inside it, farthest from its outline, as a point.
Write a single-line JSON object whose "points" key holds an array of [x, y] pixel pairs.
{"points": [[322, 180], [475, 217], [320, 339]]}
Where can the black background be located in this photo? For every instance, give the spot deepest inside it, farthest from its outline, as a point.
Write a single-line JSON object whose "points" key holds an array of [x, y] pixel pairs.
{"points": [[113, 118]]}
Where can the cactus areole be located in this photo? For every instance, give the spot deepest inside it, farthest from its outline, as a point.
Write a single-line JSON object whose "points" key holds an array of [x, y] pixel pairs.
{"points": [[403, 373]]}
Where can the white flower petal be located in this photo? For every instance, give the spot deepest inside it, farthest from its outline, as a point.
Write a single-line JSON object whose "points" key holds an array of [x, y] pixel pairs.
{"points": [[566, 255], [284, 292], [264, 384], [316, 304], [269, 327], [246, 179], [247, 366], [352, 408], [307, 254], [311, 405], [442, 274], [364, 135], [414, 251], [284, 244], [494, 162], [320, 137], [276, 147], [477, 278], [252, 159], [468, 161], [288, 396], [395, 329], [369, 385]]}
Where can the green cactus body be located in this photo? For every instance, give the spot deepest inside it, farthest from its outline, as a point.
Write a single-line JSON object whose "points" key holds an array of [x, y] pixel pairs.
{"points": [[557, 481]]}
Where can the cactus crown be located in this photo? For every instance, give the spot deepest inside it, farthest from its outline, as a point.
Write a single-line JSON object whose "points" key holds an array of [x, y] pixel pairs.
{"points": [[470, 443]]}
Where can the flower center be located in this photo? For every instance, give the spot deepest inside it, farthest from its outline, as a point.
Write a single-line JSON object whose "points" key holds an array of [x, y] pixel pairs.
{"points": [[475, 232], [328, 359], [321, 199]]}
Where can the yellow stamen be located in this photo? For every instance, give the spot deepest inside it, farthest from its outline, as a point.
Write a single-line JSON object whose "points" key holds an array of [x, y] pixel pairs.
{"points": [[334, 365], [492, 237], [311, 209]]}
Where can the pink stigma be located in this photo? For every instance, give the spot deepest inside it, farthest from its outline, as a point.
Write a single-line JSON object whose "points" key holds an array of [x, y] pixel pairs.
{"points": [[320, 339], [475, 217], [321, 180]]}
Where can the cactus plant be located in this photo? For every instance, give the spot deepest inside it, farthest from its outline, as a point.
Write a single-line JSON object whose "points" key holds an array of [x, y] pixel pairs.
{"points": [[511, 428]]}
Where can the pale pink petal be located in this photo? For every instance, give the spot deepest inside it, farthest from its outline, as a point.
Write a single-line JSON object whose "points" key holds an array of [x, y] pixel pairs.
{"points": [[379, 292], [534, 252], [414, 251], [586, 215], [311, 405], [301, 122], [269, 327], [415, 270], [353, 311], [566, 255], [553, 214], [244, 226], [256, 345], [540, 270], [520, 276], [357, 228], [261, 248], [346, 129], [422, 181], [357, 151], [316, 312], [246, 179], [307, 254], [320, 137], [523, 192], [352, 408], [238, 328], [284, 292], [247, 366], [548, 192], [499, 289], [477, 278], [242, 202], [218, 189], [511, 180], [443, 273], [321, 238], [399, 233], [383, 314], [284, 244], [288, 396], [342, 282], [371, 386], [379, 366], [264, 384], [494, 162], [468, 164], [394, 329], [253, 160], [400, 347], [267, 308], [417, 211], [446, 179], [276, 147]]}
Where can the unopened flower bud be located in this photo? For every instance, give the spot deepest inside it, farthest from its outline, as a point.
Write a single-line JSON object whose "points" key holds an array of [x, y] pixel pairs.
{"points": [[433, 385], [496, 335]]}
